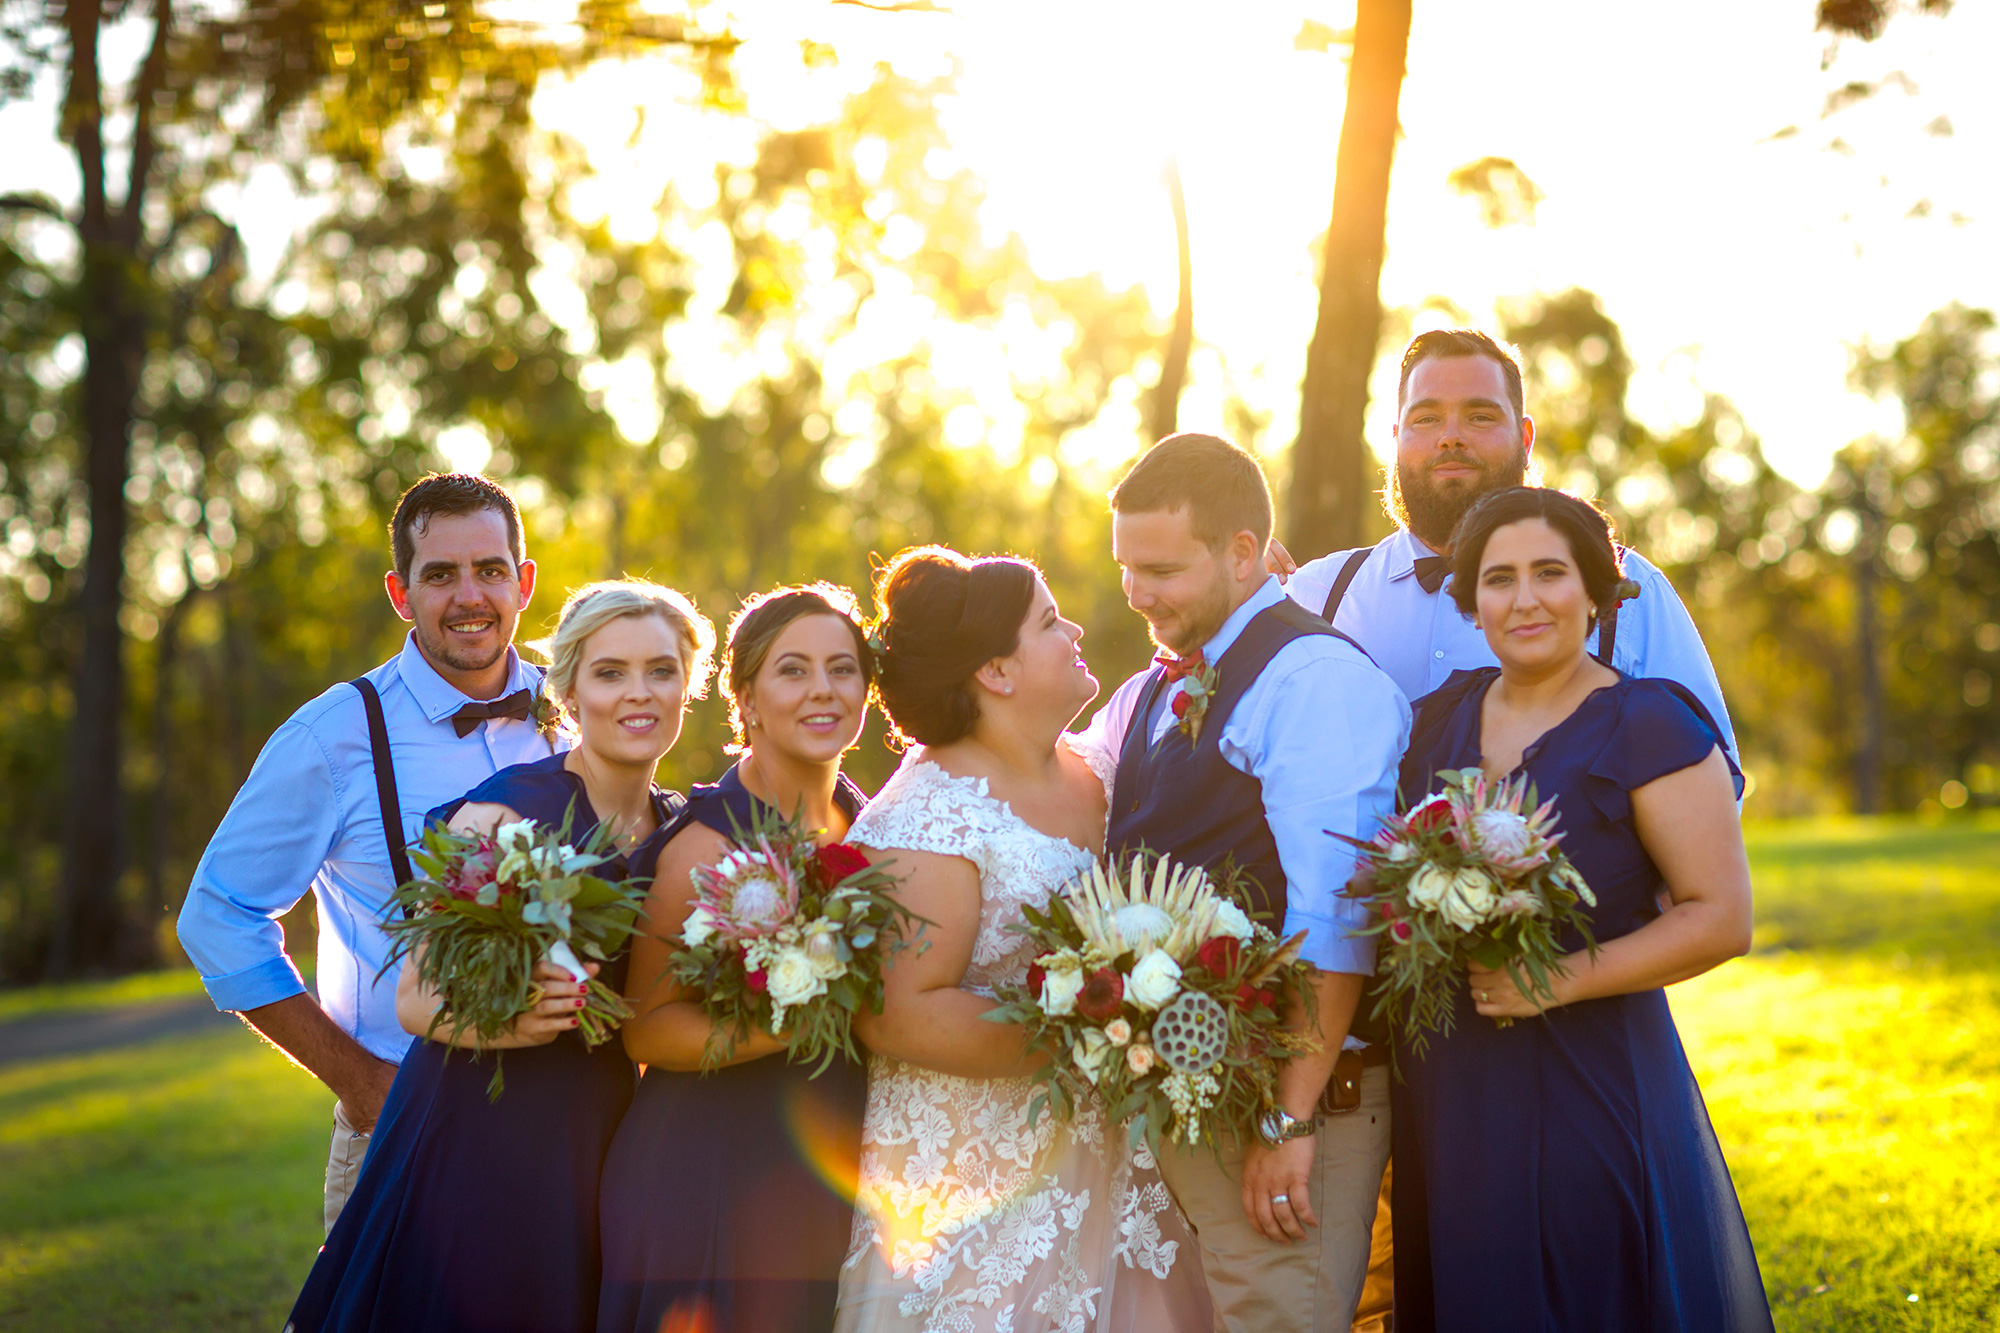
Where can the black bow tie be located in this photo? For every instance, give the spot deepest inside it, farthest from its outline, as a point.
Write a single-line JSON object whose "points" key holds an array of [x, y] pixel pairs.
{"points": [[520, 704], [1431, 570]]}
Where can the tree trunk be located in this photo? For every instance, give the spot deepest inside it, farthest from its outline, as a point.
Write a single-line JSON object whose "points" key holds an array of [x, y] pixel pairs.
{"points": [[1868, 747], [1331, 476], [86, 932], [1174, 361]]}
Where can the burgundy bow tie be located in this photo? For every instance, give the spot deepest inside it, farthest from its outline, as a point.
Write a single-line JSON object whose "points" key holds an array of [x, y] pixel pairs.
{"points": [[1177, 667], [1431, 571], [520, 704]]}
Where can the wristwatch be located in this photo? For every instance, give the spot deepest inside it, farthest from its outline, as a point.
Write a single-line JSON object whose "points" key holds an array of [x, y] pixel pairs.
{"points": [[1279, 1127]]}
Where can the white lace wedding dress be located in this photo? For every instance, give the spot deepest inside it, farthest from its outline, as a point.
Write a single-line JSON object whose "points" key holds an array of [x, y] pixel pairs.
{"points": [[968, 1220]]}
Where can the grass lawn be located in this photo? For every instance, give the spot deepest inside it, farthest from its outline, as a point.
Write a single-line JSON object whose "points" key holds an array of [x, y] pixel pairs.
{"points": [[1852, 1066]]}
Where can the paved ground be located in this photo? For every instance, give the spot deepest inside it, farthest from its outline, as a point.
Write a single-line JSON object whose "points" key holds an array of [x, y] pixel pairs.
{"points": [[80, 1031]]}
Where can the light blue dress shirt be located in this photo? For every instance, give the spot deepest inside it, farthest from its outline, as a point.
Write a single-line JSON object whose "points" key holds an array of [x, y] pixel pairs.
{"points": [[1420, 637], [1322, 730], [308, 818]]}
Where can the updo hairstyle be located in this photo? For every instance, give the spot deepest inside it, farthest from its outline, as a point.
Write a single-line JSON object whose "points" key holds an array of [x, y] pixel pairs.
{"points": [[1585, 528], [595, 605], [763, 617], [942, 617]]}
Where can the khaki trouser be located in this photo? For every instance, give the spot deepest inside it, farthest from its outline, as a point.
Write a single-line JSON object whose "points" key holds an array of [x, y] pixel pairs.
{"points": [[343, 1164], [1261, 1286], [1377, 1311]]}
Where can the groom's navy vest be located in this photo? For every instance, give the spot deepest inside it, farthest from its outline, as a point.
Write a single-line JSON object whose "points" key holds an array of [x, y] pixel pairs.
{"points": [[1185, 799]]}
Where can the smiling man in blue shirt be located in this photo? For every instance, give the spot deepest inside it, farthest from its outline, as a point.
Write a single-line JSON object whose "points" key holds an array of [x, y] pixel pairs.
{"points": [[457, 704]]}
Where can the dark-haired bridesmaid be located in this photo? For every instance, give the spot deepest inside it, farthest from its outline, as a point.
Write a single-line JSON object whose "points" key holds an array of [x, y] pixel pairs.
{"points": [[1559, 1172], [727, 1198]]}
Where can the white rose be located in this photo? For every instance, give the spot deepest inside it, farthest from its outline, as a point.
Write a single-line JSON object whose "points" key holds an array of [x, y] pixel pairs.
{"points": [[700, 927], [509, 837], [1119, 1031], [792, 979], [1155, 980], [758, 901], [1059, 991], [1090, 1052], [1472, 898], [1401, 853], [1429, 886], [1518, 903], [1232, 921]]}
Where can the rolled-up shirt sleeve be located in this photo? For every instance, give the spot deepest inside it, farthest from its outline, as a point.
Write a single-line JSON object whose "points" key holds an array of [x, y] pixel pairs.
{"points": [[1324, 737], [263, 858]]}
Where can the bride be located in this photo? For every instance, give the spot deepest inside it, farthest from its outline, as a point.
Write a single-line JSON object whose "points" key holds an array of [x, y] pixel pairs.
{"points": [[968, 1216]]}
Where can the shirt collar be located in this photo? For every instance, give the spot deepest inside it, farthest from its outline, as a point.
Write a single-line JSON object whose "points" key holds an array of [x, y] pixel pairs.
{"points": [[438, 697], [1268, 593], [1404, 550]]}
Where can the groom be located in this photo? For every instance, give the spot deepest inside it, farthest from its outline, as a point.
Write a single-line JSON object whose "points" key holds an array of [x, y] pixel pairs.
{"points": [[1299, 737], [341, 786]]}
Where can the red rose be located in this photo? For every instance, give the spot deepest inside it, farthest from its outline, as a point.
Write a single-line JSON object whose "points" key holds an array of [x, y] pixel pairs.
{"points": [[1389, 909], [1400, 931], [1219, 955], [1181, 704], [1103, 993], [1248, 997], [1035, 974], [836, 861], [1428, 816], [757, 981]]}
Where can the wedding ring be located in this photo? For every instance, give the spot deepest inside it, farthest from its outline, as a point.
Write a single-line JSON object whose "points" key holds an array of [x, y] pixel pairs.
{"points": [[1485, 998], [1277, 1199]]}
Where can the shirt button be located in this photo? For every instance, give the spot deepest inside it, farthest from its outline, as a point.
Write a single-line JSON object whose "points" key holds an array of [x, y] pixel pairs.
{"points": [[1438, 653]]}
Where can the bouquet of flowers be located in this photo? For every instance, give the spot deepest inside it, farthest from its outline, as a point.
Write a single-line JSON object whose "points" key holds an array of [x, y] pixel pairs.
{"points": [[1471, 873], [1154, 987], [487, 908], [786, 934]]}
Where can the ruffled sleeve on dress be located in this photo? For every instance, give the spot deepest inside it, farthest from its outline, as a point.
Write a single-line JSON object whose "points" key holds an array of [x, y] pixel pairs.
{"points": [[1661, 728]]}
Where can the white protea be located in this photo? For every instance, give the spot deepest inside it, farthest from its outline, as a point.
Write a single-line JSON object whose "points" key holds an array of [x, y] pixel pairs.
{"points": [[1150, 903]]}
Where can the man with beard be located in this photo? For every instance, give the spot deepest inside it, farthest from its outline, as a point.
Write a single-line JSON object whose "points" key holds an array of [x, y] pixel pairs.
{"points": [[342, 786], [1460, 433]]}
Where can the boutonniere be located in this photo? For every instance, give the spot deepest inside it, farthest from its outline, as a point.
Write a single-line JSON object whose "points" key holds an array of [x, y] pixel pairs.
{"points": [[547, 715], [1191, 704]]}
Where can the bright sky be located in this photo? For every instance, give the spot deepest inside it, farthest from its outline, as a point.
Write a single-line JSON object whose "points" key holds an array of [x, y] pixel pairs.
{"points": [[1732, 256]]}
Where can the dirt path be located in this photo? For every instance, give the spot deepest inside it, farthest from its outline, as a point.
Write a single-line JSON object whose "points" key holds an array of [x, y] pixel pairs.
{"points": [[81, 1031]]}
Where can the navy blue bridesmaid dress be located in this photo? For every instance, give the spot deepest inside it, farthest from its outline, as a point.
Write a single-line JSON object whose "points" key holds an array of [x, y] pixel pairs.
{"points": [[1560, 1175], [728, 1197], [472, 1216]]}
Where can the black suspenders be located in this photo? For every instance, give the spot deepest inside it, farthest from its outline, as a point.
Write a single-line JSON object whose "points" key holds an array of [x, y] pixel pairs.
{"points": [[1607, 621], [1347, 573], [385, 782]]}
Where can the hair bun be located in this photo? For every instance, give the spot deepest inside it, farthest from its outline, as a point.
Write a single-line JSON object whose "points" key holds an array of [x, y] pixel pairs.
{"points": [[943, 616]]}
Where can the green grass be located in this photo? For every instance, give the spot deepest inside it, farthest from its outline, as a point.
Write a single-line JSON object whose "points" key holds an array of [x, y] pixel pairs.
{"points": [[173, 1186], [1851, 1064], [1852, 1068], [137, 989]]}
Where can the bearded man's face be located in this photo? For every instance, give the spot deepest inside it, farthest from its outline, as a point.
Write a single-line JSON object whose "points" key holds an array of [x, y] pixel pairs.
{"points": [[1458, 437]]}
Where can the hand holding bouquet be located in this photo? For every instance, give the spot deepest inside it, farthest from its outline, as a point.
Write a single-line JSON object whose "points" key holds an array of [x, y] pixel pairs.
{"points": [[1154, 987], [788, 935], [488, 907], [1464, 876]]}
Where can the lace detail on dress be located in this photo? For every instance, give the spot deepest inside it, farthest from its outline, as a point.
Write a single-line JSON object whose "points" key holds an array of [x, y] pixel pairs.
{"points": [[922, 808], [969, 1219]]}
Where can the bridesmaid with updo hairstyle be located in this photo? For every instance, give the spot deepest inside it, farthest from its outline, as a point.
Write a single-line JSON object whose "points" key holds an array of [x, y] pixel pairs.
{"points": [[473, 1215], [728, 1192]]}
